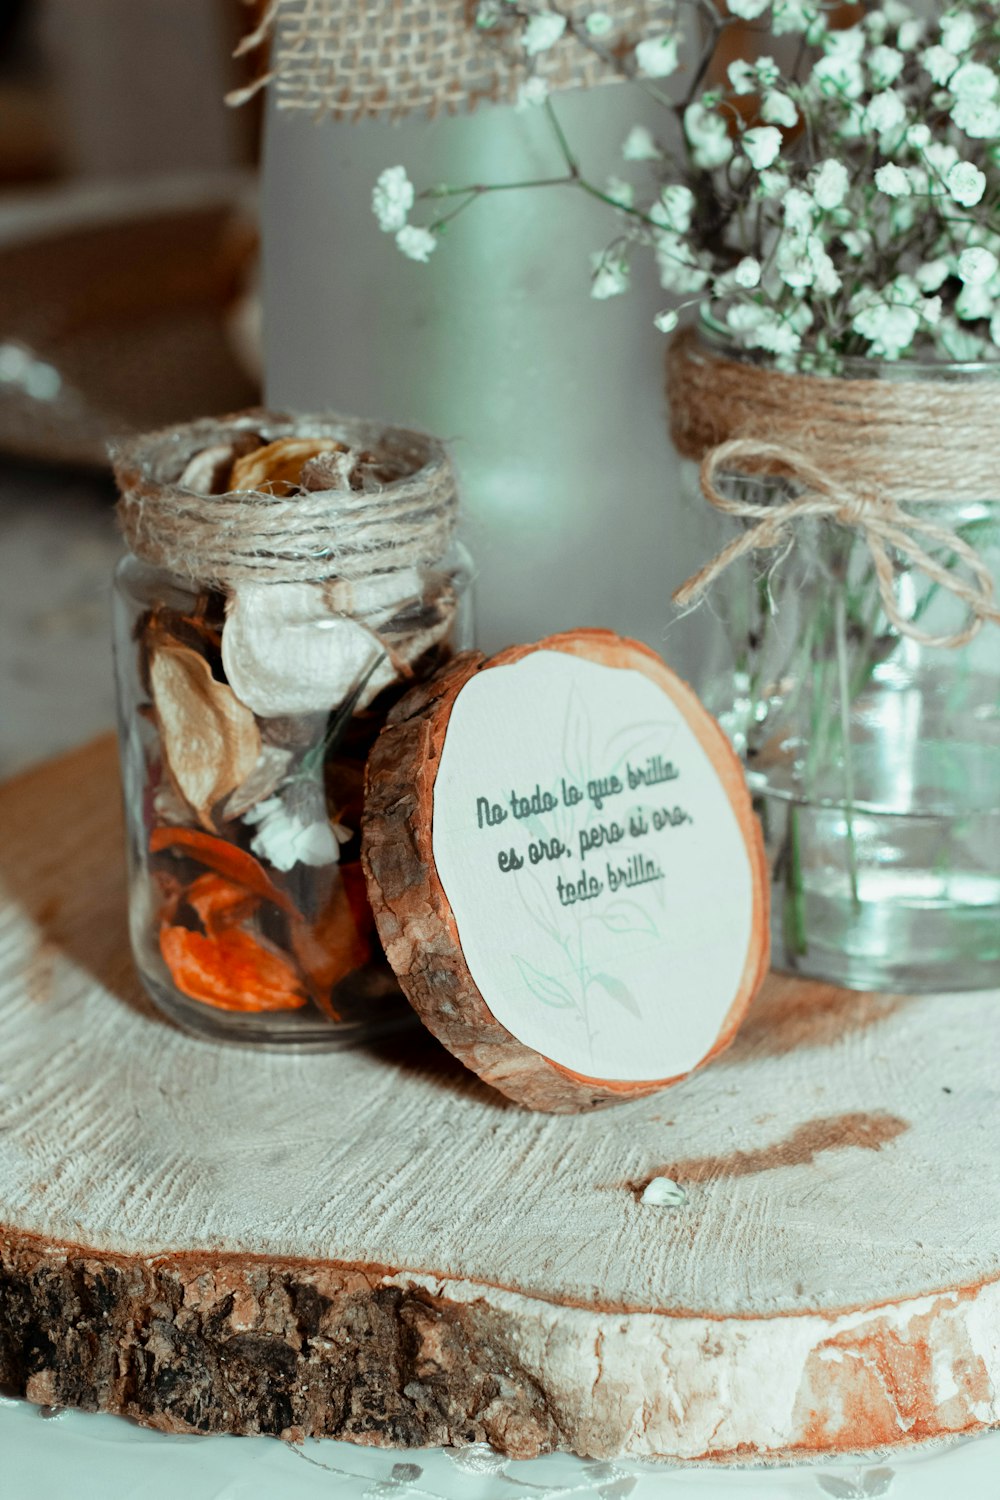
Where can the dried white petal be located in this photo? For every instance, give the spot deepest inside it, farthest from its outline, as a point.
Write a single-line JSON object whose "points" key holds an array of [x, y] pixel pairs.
{"points": [[284, 653], [374, 599], [664, 1192], [210, 740], [268, 774], [284, 840]]}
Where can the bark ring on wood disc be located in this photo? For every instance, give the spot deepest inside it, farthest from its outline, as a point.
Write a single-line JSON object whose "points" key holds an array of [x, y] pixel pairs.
{"points": [[566, 871]]}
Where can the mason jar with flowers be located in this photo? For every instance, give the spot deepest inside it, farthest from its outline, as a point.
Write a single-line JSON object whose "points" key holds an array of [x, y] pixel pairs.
{"points": [[824, 197]]}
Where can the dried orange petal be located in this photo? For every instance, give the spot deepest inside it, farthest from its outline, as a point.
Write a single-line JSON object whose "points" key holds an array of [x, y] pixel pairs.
{"points": [[230, 970], [225, 858], [338, 941], [277, 466], [219, 903]]}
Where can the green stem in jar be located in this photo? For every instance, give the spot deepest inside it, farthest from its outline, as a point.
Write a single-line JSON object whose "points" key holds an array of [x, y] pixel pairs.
{"points": [[796, 939], [312, 763], [847, 754]]}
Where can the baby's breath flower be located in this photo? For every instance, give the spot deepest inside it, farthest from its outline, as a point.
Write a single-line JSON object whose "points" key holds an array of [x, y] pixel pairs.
{"points": [[416, 243], [940, 63], [979, 118], [657, 56], [974, 302], [680, 270], [931, 275], [707, 136], [910, 34], [542, 32], [884, 66], [762, 144], [958, 30], [838, 74], [973, 80], [640, 145], [599, 23], [802, 261], [828, 184], [976, 264], [743, 317], [742, 76], [940, 156], [746, 273], [889, 328], [892, 181], [871, 146], [610, 278], [795, 17], [531, 92], [886, 111], [775, 336], [778, 109], [857, 242], [747, 10], [773, 182], [895, 12], [966, 183], [957, 342], [674, 208], [848, 44], [799, 209], [392, 199]]}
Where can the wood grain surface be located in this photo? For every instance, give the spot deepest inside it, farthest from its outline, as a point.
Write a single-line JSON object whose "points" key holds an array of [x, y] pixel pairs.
{"points": [[372, 1244]]}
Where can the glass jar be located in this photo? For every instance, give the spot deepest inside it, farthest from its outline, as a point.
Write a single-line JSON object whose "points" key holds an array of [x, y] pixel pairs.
{"points": [[246, 713], [874, 759]]}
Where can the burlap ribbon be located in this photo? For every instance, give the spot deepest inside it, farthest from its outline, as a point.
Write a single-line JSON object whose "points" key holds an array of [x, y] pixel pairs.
{"points": [[859, 453], [251, 536], [354, 59]]}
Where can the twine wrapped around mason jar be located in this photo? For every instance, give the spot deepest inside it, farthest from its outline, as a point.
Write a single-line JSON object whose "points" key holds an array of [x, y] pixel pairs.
{"points": [[354, 59], [254, 536], [858, 452]]}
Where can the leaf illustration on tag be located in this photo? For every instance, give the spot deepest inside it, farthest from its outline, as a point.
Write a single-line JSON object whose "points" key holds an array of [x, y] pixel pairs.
{"points": [[628, 916], [577, 738], [539, 908], [550, 991], [637, 740], [619, 991]]}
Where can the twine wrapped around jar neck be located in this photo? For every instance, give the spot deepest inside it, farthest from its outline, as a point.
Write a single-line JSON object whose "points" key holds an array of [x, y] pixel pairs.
{"points": [[859, 452], [252, 536]]}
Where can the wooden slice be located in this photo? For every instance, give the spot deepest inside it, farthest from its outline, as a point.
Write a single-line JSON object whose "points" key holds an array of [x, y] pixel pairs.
{"points": [[566, 871], [373, 1245]]}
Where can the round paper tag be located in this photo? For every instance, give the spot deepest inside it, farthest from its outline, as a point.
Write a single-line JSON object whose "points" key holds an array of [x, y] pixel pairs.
{"points": [[592, 851]]}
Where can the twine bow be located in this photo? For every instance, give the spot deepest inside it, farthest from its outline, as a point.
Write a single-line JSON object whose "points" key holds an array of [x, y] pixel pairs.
{"points": [[877, 517]]}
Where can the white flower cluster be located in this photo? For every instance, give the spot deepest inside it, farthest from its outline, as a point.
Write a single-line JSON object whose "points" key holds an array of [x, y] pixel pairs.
{"points": [[392, 199], [850, 206]]}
